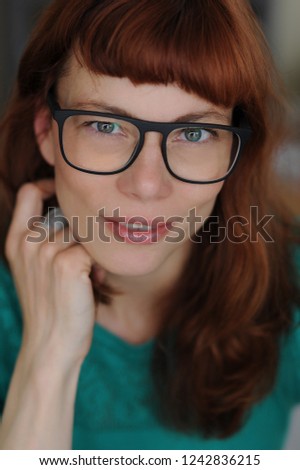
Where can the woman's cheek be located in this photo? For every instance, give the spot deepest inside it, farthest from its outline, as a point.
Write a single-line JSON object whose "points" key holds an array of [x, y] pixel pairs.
{"points": [[205, 198]]}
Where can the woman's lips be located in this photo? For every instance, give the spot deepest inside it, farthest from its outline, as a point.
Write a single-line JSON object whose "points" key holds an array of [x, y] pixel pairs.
{"points": [[138, 232]]}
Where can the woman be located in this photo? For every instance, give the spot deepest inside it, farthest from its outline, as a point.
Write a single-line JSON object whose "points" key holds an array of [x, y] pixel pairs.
{"points": [[152, 125]]}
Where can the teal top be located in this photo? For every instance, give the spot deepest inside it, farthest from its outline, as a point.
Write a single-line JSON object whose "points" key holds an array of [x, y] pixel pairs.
{"points": [[113, 407]]}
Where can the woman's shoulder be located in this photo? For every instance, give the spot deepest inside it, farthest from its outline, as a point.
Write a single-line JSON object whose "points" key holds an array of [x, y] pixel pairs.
{"points": [[290, 344], [10, 312], [10, 330], [294, 334], [289, 362]]}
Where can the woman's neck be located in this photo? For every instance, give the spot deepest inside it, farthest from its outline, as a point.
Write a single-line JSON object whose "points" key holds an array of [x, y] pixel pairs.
{"points": [[135, 315]]}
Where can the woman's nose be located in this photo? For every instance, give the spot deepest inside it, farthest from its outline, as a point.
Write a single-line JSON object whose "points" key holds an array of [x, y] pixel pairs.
{"points": [[147, 178]]}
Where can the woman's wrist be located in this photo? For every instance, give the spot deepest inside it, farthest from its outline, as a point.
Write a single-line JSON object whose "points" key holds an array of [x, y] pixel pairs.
{"points": [[39, 411], [46, 371], [49, 355]]}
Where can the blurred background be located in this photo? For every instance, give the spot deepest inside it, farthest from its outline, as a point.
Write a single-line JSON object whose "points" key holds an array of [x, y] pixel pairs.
{"points": [[280, 21]]}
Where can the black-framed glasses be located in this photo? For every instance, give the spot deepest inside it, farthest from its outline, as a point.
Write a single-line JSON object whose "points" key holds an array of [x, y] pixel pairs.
{"points": [[106, 144]]}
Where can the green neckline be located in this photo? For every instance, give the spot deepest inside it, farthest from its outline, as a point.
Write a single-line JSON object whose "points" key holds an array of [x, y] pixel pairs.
{"points": [[111, 340]]}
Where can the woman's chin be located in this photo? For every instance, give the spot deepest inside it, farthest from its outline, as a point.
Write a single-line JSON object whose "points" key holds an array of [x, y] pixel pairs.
{"points": [[132, 268], [131, 260]]}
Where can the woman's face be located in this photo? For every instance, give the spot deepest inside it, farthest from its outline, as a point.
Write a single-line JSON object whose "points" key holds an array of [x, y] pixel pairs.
{"points": [[145, 189]]}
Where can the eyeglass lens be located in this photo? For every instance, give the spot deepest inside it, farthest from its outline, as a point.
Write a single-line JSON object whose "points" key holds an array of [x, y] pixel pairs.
{"points": [[107, 144]]}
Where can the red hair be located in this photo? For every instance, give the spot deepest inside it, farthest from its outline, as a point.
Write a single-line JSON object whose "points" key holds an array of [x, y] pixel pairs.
{"points": [[217, 351]]}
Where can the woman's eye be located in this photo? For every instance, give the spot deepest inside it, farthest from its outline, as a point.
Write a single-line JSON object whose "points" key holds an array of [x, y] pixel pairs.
{"points": [[105, 127], [195, 134]]}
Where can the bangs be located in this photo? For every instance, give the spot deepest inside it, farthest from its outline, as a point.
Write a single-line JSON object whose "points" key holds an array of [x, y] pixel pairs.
{"points": [[194, 44]]}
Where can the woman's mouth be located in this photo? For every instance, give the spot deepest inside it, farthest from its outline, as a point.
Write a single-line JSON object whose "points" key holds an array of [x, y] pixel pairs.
{"points": [[136, 231]]}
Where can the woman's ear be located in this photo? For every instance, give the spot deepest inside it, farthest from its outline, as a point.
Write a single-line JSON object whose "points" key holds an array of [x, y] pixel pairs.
{"points": [[44, 135]]}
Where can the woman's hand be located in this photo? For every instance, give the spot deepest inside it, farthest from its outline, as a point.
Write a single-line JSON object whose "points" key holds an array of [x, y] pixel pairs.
{"points": [[52, 281], [57, 301]]}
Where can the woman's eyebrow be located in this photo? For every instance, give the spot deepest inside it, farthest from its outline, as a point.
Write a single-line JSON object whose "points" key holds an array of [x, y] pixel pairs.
{"points": [[91, 105], [100, 106], [208, 114]]}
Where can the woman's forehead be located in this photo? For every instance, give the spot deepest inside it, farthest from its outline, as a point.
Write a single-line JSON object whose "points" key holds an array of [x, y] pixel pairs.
{"points": [[81, 88]]}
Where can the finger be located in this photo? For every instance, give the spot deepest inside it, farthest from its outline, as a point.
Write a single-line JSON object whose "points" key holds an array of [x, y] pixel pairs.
{"points": [[74, 260], [53, 242], [29, 202], [46, 185]]}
